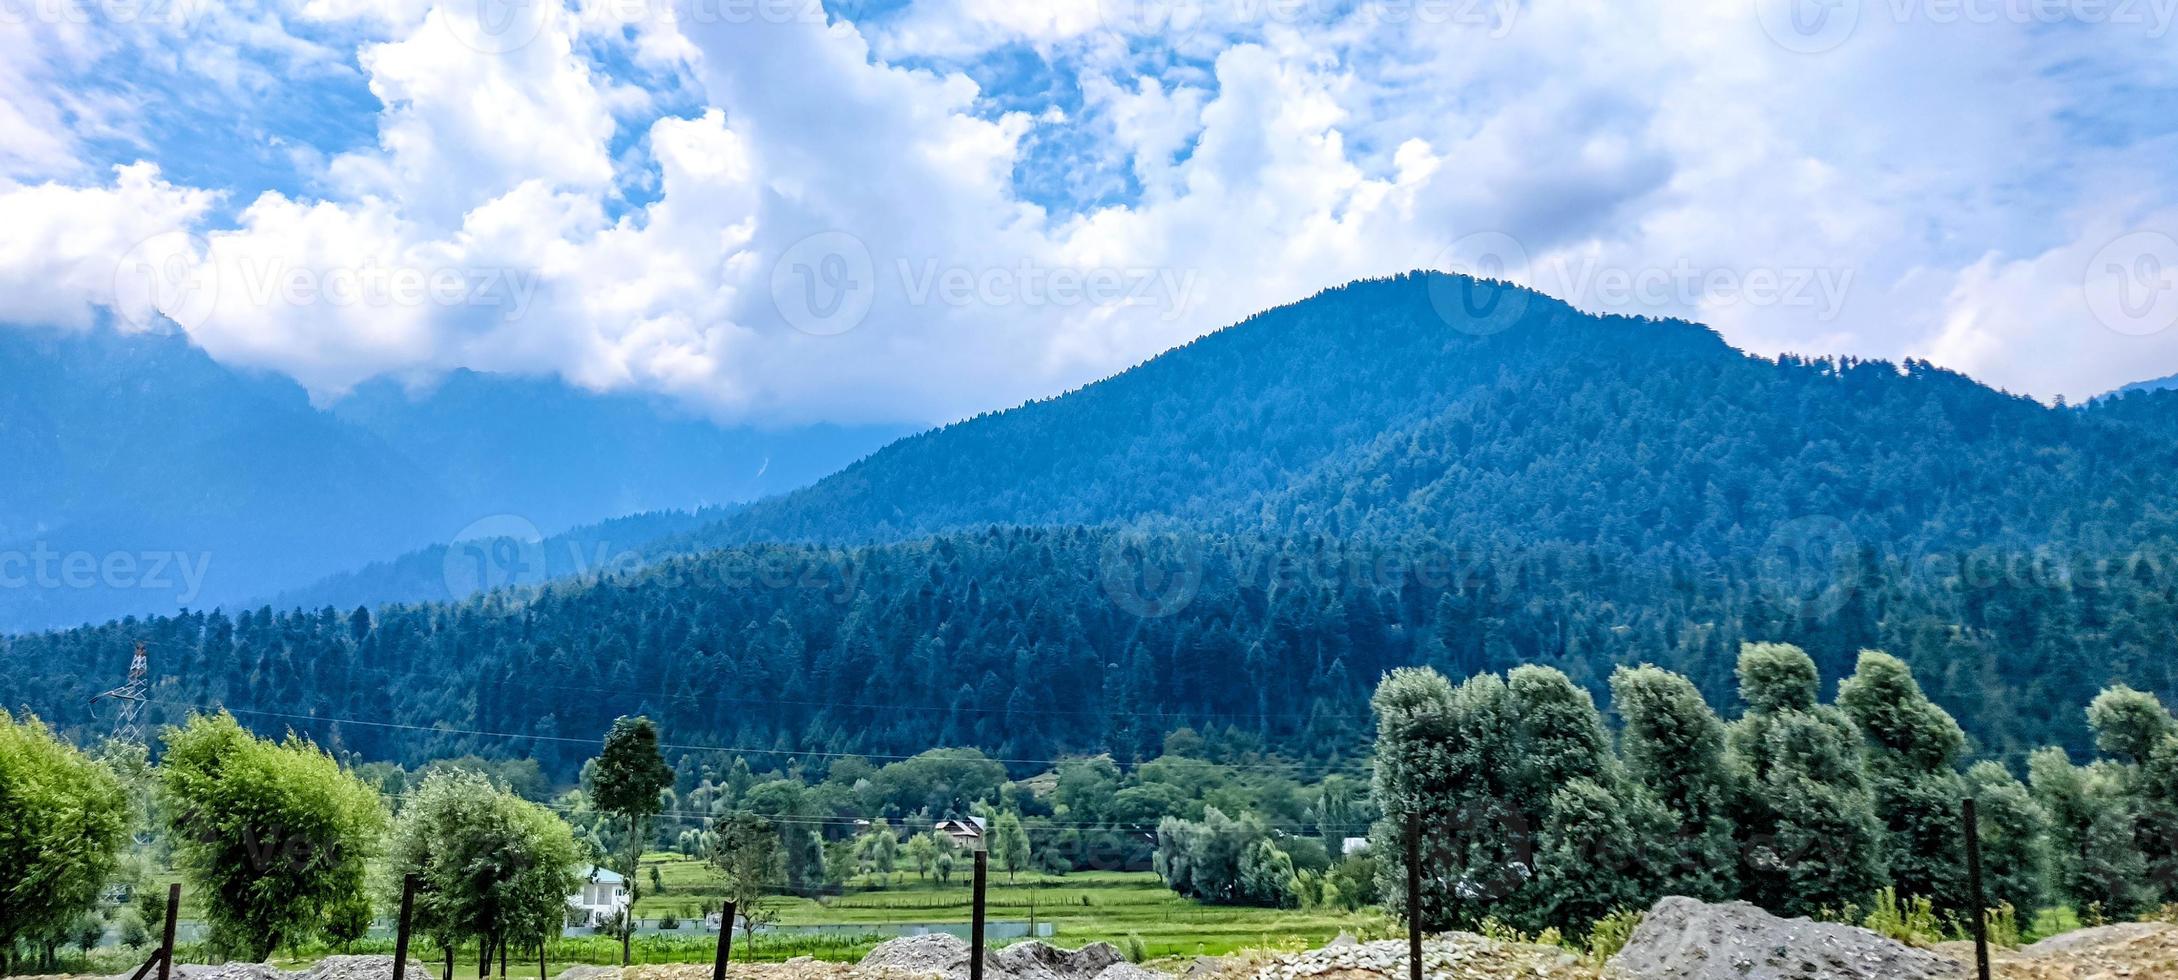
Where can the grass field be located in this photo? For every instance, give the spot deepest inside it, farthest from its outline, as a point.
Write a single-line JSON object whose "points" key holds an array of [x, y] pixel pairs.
{"points": [[1081, 907]]}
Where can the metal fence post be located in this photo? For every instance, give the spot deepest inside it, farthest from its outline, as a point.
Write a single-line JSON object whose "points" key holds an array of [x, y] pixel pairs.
{"points": [[400, 933], [1973, 884], [975, 924], [166, 942], [725, 941], [1414, 896]]}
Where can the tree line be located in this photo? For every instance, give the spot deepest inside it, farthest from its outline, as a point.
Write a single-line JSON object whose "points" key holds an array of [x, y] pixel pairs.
{"points": [[1532, 813]]}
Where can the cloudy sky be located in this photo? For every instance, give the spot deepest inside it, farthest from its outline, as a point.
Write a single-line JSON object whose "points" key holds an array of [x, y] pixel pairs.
{"points": [[776, 212]]}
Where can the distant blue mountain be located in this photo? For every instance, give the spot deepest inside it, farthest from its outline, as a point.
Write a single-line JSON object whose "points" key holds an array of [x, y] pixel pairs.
{"points": [[138, 475]]}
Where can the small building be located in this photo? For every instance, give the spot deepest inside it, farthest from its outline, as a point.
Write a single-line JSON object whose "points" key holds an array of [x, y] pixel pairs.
{"points": [[603, 894], [968, 834], [1352, 846]]}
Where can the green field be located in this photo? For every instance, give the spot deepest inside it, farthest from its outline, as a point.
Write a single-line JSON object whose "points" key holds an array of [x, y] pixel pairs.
{"points": [[1081, 907]]}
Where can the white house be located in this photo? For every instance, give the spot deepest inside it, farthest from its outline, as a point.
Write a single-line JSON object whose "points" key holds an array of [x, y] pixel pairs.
{"points": [[1353, 845], [603, 893]]}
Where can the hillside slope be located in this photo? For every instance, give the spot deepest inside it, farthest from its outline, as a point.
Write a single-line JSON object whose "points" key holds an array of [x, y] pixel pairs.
{"points": [[1384, 408], [1308, 499]]}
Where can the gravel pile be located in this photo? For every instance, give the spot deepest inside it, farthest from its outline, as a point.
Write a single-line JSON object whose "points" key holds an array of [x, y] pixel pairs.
{"points": [[935, 953], [1453, 956], [946, 955], [1684, 939], [359, 968]]}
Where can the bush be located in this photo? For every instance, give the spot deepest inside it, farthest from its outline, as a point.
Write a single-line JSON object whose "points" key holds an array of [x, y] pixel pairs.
{"points": [[1134, 948], [1610, 933], [1910, 921]]}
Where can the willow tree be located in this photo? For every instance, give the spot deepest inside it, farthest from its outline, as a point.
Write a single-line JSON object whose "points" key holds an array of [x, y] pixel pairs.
{"points": [[1674, 744], [63, 820], [1809, 822], [274, 836], [1912, 750]]}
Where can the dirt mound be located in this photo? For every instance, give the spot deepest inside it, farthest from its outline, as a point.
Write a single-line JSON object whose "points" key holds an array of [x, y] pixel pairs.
{"points": [[1684, 939], [1454, 956], [2127, 951]]}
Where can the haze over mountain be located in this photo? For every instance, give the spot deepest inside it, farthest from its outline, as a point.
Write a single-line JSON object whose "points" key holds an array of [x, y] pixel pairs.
{"points": [[1416, 470], [144, 476]]}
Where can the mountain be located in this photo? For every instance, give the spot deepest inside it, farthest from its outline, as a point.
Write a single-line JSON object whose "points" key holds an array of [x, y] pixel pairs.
{"points": [[144, 476], [2152, 384], [1383, 408], [1242, 534]]}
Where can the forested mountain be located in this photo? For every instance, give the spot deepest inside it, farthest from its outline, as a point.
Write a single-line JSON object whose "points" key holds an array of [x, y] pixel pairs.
{"points": [[206, 485], [1243, 534], [1383, 408]]}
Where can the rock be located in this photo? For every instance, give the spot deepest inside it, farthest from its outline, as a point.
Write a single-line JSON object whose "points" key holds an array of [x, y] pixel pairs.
{"points": [[937, 952], [1685, 939], [1129, 971], [1206, 966], [1035, 960], [1456, 956], [1342, 939], [360, 968], [590, 973]]}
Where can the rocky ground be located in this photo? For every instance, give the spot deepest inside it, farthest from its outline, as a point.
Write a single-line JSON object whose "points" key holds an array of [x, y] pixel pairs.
{"points": [[2128, 951], [1679, 939]]}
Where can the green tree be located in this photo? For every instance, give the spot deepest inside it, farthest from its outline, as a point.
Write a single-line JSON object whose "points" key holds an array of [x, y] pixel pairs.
{"points": [[2094, 859], [63, 821], [1446, 761], [2014, 848], [1010, 843], [1599, 852], [746, 850], [273, 836], [1809, 821], [879, 848], [2140, 739], [490, 864], [625, 781], [1912, 750], [1674, 745], [922, 851], [2128, 724]]}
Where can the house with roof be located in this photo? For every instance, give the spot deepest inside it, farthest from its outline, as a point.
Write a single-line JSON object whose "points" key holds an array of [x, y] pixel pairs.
{"points": [[603, 894], [967, 834]]}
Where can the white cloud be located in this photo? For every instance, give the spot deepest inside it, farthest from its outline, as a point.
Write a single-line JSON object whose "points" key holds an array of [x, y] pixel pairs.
{"points": [[1934, 188]]}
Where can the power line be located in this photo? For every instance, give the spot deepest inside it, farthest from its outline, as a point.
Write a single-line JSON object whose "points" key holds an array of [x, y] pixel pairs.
{"points": [[443, 729]]}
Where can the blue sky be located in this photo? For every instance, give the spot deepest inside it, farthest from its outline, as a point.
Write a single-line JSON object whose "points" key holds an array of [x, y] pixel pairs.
{"points": [[884, 211]]}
